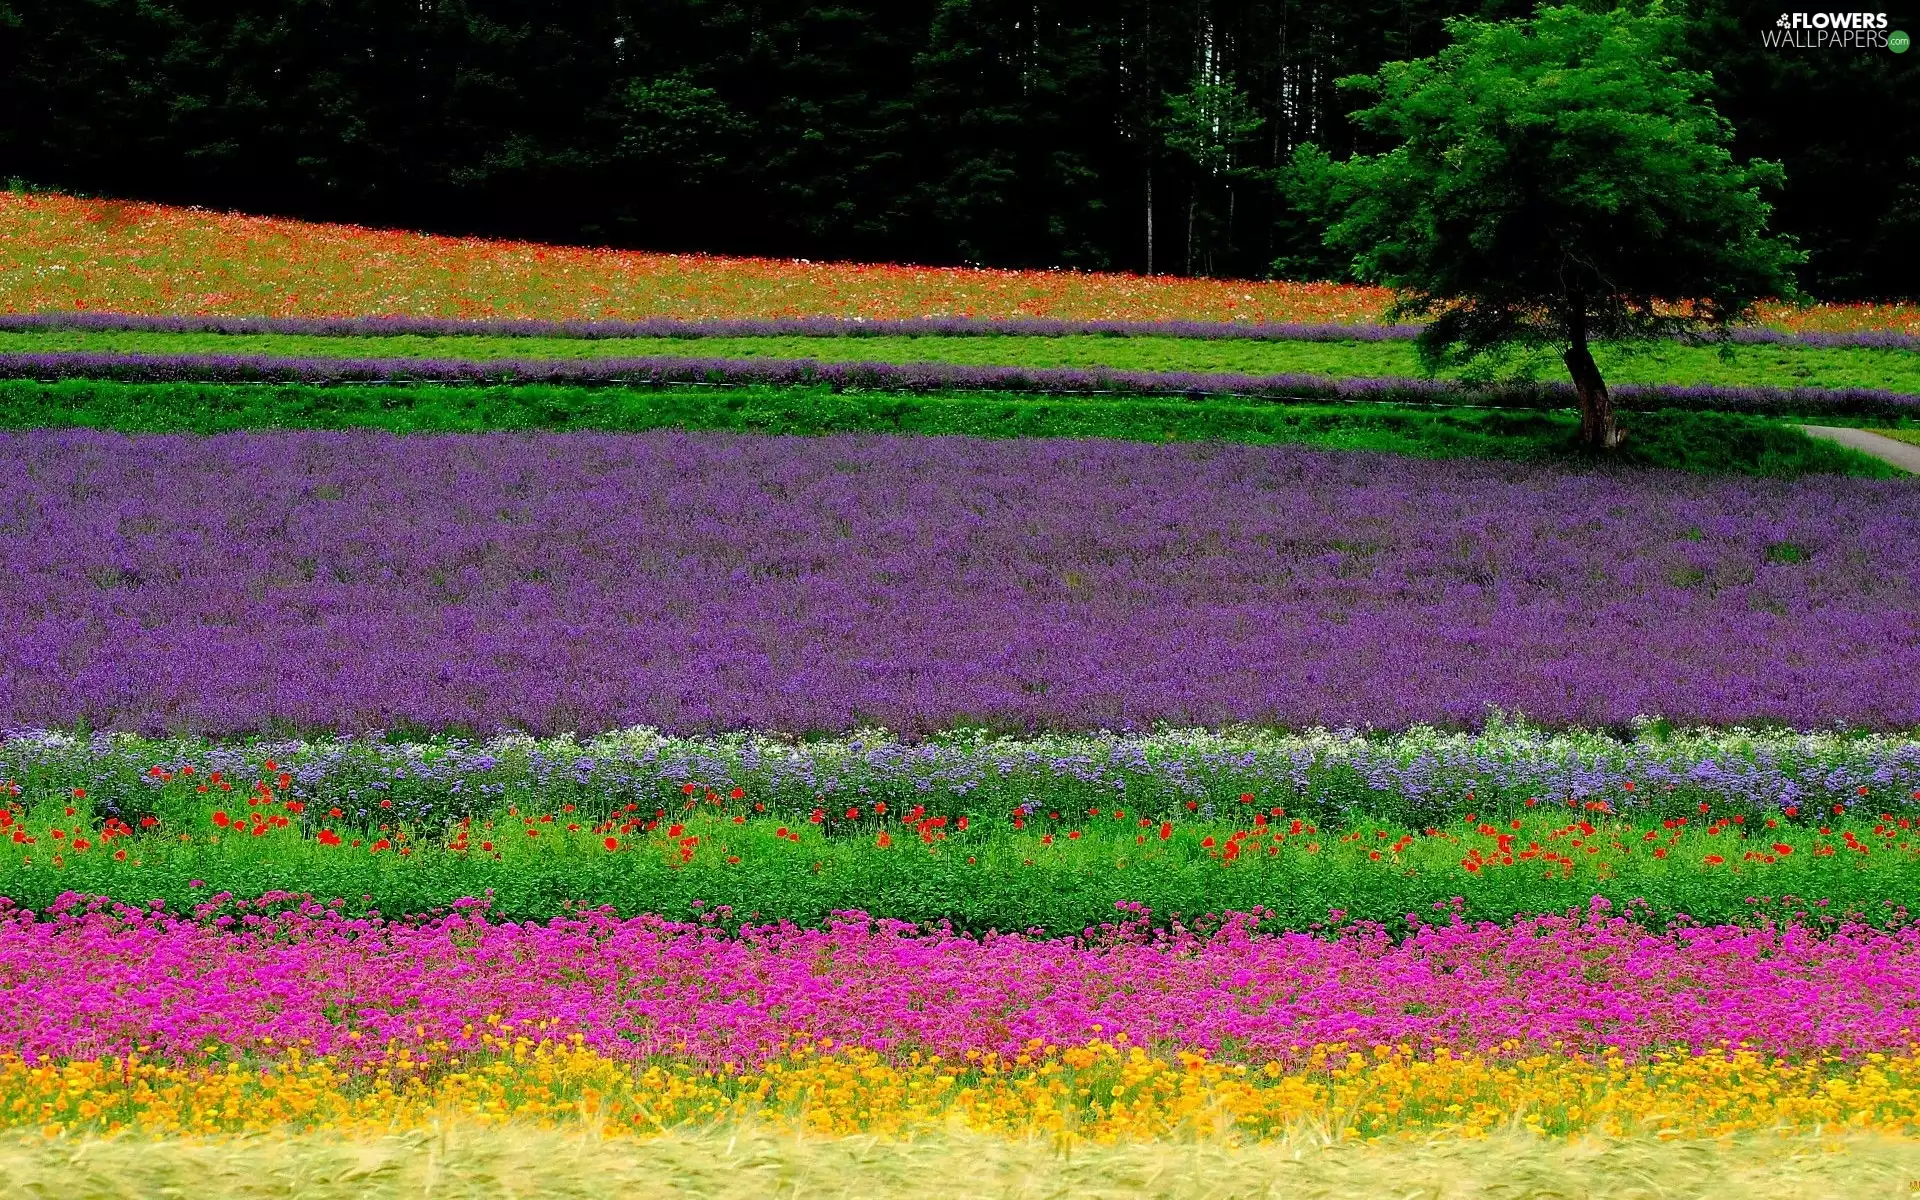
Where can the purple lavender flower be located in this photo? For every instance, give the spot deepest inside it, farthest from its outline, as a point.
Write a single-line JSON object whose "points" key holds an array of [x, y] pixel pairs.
{"points": [[921, 377], [357, 580], [835, 327]]}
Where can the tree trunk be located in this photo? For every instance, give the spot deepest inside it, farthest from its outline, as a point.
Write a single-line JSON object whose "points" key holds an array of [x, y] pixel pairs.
{"points": [[1193, 203], [1230, 200], [1149, 220], [1599, 429]]}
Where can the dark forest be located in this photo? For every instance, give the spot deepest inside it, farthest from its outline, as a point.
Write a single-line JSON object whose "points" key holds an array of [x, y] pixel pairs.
{"points": [[1128, 134]]}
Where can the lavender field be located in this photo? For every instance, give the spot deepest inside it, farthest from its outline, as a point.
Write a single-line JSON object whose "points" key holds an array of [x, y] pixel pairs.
{"points": [[698, 582]]}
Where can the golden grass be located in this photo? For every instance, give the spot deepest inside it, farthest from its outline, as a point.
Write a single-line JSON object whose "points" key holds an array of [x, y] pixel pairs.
{"points": [[743, 1161]]}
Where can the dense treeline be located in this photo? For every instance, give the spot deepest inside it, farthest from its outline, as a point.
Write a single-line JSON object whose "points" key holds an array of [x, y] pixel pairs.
{"points": [[1127, 134]]}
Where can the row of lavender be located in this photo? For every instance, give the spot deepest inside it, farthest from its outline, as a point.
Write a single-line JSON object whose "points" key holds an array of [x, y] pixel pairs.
{"points": [[703, 582], [656, 371], [1420, 777], [669, 327]]}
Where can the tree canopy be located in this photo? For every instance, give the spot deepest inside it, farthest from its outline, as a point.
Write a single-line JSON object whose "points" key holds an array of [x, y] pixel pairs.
{"points": [[1555, 180], [1032, 133]]}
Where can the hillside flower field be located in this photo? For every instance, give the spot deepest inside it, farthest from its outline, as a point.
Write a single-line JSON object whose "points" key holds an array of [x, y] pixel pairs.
{"points": [[70, 254], [466, 698]]}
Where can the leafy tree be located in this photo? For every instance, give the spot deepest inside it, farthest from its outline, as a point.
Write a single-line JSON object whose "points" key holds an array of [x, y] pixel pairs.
{"points": [[1556, 180], [1001, 111], [1209, 125], [1011, 132], [675, 128]]}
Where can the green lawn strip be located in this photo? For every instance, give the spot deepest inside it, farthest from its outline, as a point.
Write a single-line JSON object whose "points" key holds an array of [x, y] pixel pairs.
{"points": [[997, 877], [1908, 434], [1693, 441], [1666, 362]]}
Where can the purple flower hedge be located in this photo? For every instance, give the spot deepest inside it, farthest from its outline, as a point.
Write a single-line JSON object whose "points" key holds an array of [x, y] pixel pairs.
{"points": [[671, 369], [836, 327], [585, 581]]}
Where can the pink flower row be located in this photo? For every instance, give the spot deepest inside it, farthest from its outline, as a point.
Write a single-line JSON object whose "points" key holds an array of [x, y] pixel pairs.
{"points": [[96, 979]]}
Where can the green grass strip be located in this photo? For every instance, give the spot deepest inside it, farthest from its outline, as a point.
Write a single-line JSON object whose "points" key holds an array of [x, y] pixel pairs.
{"points": [[1659, 362], [1691, 441], [1060, 876]]}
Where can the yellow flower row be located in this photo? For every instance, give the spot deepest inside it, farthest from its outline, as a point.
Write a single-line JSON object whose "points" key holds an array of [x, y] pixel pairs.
{"points": [[1102, 1091]]}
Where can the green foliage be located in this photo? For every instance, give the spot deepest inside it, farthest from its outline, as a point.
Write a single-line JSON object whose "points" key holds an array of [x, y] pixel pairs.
{"points": [[1210, 123], [1552, 181], [670, 129], [1013, 133], [997, 877], [1210, 126], [1694, 441]]}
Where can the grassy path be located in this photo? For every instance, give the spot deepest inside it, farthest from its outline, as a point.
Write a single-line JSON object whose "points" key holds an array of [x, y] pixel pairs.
{"points": [[1898, 451]]}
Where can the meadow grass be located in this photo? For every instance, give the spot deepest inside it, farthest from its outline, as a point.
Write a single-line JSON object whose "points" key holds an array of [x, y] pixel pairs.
{"points": [[1705, 442], [1660, 362], [738, 1161]]}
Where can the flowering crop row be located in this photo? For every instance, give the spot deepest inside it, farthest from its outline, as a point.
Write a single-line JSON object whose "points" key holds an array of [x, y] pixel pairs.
{"points": [[691, 581], [1053, 843], [655, 371], [736, 327], [1420, 777], [818, 327], [1103, 1091], [68, 254], [240, 982], [1037, 867]]}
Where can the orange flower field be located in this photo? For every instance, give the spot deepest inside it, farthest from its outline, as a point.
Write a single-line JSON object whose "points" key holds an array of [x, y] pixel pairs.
{"points": [[62, 253]]}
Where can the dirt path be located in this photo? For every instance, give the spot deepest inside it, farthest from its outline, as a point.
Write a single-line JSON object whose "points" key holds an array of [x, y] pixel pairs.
{"points": [[1901, 455]]}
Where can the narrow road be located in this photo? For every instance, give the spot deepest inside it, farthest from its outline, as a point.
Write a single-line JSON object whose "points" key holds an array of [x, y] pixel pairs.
{"points": [[1900, 454]]}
